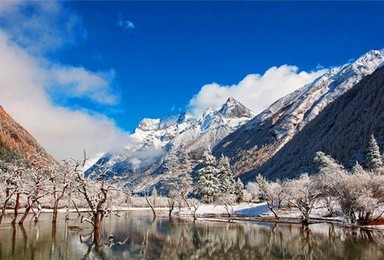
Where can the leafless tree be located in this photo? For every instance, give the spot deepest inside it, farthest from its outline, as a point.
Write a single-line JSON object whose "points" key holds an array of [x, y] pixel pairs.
{"points": [[302, 193], [34, 191], [11, 180], [192, 205], [151, 201], [272, 193], [59, 183], [95, 192]]}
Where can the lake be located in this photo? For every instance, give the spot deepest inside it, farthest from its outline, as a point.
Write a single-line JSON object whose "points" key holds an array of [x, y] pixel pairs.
{"points": [[134, 235]]}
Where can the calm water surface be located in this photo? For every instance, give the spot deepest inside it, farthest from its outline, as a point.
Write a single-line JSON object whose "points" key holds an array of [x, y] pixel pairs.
{"points": [[135, 236]]}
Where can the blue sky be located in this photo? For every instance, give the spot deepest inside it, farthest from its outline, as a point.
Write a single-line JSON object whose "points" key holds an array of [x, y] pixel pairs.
{"points": [[104, 66], [174, 48]]}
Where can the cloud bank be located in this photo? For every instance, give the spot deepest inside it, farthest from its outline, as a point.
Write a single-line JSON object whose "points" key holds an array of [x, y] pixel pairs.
{"points": [[28, 78], [255, 91]]}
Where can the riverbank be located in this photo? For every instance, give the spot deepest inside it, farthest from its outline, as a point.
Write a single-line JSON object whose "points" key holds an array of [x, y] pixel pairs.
{"points": [[242, 212]]}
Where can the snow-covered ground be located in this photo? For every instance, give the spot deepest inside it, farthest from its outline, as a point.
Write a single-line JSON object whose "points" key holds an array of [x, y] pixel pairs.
{"points": [[242, 209]]}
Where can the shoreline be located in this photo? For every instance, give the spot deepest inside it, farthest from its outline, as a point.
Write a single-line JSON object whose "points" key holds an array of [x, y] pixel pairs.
{"points": [[216, 213]]}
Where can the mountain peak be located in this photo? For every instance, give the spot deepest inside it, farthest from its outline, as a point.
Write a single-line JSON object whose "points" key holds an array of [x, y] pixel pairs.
{"points": [[149, 124], [184, 117], [369, 62], [234, 109]]}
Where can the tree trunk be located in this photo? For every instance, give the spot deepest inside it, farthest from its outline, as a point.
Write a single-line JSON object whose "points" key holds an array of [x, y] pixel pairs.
{"points": [[55, 209], [25, 214], [171, 206], [271, 209], [152, 208], [77, 209], [305, 220], [97, 220], [16, 210], [4, 208], [37, 214]]}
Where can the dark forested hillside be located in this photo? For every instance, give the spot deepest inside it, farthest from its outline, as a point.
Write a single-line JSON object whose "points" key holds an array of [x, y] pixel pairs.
{"points": [[341, 130]]}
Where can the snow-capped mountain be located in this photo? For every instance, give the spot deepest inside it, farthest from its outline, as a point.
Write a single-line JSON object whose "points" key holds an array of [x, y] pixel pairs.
{"points": [[256, 142], [343, 130], [154, 139]]}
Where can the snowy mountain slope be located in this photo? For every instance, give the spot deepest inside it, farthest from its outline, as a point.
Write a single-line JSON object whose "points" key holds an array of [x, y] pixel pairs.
{"points": [[256, 142], [343, 130], [155, 139]]}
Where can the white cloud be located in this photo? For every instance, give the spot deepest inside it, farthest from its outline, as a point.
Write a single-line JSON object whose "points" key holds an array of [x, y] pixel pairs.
{"points": [[40, 26], [255, 91], [126, 24], [79, 82], [27, 76]]}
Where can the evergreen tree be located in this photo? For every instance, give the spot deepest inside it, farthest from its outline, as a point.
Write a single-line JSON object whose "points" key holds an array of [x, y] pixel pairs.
{"points": [[186, 181], [239, 186], [208, 183], [179, 168], [357, 168], [171, 163], [225, 175], [373, 157], [325, 163]]}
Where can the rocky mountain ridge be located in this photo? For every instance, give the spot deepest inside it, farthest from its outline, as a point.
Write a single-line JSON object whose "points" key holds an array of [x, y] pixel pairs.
{"points": [[141, 163]]}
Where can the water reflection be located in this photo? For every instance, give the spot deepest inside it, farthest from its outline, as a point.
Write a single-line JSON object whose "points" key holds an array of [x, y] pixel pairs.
{"points": [[136, 236]]}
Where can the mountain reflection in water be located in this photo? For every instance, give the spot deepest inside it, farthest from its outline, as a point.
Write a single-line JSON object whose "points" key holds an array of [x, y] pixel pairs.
{"points": [[134, 236]]}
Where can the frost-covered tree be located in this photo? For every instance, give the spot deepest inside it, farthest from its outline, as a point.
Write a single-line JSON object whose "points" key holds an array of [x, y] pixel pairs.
{"points": [[225, 175], [373, 156], [171, 164], [95, 192], [357, 168], [325, 162], [271, 192], [180, 184], [358, 193], [59, 184], [186, 181], [336, 184], [328, 169], [302, 193], [239, 186], [253, 189], [12, 182], [208, 182]]}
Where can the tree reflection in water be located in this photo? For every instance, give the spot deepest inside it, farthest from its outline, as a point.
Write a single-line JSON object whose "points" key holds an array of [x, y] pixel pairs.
{"points": [[136, 236]]}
